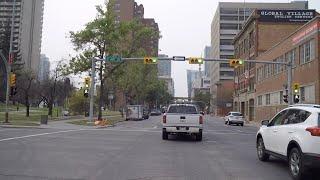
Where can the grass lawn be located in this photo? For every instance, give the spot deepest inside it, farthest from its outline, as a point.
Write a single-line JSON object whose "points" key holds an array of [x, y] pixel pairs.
{"points": [[19, 117], [110, 113]]}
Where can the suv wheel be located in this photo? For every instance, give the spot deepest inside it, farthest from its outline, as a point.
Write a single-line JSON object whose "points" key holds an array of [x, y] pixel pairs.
{"points": [[199, 136], [297, 169], [261, 150], [164, 135]]}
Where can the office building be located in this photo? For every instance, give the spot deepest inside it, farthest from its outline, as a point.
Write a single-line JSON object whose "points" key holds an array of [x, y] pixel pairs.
{"points": [[249, 44], [27, 29], [44, 68], [207, 50], [192, 75], [302, 48], [227, 22], [164, 67]]}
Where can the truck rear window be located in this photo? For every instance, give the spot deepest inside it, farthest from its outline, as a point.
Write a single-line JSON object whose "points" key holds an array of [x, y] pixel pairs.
{"points": [[183, 110]]}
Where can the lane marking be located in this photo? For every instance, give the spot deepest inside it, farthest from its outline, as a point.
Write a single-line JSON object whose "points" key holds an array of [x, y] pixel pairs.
{"points": [[35, 135]]}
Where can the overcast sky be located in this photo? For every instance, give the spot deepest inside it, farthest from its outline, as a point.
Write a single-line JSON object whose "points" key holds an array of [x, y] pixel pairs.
{"points": [[184, 25]]}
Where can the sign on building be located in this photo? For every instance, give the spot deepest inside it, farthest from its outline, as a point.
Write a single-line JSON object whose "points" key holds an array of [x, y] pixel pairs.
{"points": [[286, 15]]}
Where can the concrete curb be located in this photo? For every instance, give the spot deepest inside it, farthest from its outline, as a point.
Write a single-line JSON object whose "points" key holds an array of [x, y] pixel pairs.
{"points": [[26, 127]]}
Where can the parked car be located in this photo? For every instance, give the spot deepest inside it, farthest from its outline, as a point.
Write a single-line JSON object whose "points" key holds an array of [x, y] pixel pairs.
{"points": [[182, 119], [155, 112], [234, 118], [293, 134]]}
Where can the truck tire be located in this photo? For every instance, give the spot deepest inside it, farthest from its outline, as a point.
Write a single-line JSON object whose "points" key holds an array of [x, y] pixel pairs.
{"points": [[164, 135], [199, 136]]}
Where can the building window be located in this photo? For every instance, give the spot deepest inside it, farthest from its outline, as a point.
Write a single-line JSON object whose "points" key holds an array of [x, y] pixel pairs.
{"points": [[281, 97], [259, 100], [251, 39], [229, 26], [307, 52], [225, 41], [291, 56], [267, 99]]}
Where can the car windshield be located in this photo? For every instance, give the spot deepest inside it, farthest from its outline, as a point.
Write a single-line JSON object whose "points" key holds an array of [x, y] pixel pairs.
{"points": [[236, 114], [183, 109]]}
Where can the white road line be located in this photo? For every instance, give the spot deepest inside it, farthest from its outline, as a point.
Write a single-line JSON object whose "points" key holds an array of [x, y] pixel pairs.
{"points": [[35, 135]]}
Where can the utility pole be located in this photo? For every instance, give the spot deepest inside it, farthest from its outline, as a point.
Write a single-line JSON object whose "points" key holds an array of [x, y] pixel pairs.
{"points": [[93, 72], [10, 59]]}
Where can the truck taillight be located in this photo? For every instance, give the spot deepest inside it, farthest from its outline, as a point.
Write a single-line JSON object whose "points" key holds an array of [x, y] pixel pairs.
{"points": [[201, 120], [315, 131], [164, 119]]}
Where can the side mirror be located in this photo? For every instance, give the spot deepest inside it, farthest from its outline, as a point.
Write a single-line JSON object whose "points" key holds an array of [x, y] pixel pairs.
{"points": [[265, 122]]}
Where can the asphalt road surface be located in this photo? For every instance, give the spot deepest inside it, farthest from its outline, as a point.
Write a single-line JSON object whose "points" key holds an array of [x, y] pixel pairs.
{"points": [[134, 150]]}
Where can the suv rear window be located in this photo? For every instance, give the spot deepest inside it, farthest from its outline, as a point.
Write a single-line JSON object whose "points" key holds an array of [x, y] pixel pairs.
{"points": [[236, 114], [183, 109]]}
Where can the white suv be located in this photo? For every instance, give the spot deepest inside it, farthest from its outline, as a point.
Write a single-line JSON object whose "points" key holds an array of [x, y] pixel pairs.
{"points": [[294, 135]]}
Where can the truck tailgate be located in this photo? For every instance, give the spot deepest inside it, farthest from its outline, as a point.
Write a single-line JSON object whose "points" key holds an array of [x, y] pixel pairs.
{"points": [[182, 120]]}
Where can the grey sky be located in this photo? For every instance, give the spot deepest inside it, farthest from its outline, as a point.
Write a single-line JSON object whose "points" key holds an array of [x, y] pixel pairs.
{"points": [[184, 25]]}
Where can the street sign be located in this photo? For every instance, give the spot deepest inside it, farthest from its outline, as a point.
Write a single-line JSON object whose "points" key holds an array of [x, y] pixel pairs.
{"points": [[114, 58], [179, 58]]}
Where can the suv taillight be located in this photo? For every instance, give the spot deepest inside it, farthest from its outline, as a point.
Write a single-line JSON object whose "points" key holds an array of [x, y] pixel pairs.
{"points": [[315, 131], [164, 119], [201, 120]]}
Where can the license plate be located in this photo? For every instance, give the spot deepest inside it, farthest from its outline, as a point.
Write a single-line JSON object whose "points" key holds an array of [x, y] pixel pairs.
{"points": [[182, 128]]}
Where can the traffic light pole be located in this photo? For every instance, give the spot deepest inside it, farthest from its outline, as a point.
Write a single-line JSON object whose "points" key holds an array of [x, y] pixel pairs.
{"points": [[7, 67], [289, 75]]}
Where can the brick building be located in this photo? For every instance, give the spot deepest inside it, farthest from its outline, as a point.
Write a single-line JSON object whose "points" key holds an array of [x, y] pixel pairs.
{"points": [[302, 47], [261, 32]]}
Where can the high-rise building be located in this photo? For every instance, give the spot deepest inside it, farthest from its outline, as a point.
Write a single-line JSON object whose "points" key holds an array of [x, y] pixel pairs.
{"points": [[27, 29], [44, 68], [127, 10], [207, 50], [169, 83], [192, 75], [164, 67], [227, 22]]}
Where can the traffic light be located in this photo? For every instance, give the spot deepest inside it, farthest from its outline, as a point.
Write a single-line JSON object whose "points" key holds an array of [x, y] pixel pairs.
{"points": [[296, 88], [87, 82], [285, 98], [195, 60], [236, 62], [296, 98], [13, 80], [86, 93], [150, 60]]}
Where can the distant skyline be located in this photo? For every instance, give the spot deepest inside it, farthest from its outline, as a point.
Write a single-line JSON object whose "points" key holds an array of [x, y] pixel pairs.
{"points": [[183, 33]]}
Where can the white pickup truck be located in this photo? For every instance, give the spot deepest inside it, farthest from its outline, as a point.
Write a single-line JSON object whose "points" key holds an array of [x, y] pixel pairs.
{"points": [[182, 119]]}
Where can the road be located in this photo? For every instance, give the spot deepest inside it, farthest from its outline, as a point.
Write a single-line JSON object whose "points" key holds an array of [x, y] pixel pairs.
{"points": [[134, 151]]}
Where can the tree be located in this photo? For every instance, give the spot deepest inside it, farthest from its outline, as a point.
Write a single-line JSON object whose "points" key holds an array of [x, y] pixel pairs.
{"points": [[26, 88], [103, 36], [56, 89], [202, 99]]}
